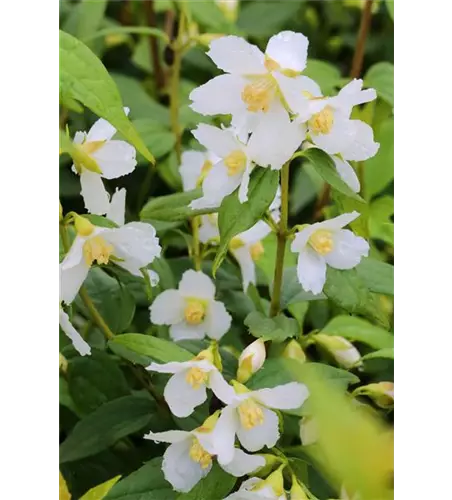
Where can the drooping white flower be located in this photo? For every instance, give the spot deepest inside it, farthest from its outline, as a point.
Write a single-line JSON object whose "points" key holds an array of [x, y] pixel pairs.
{"points": [[132, 246], [191, 311], [114, 157], [255, 85], [194, 167], [237, 158], [255, 488], [249, 416], [189, 457], [326, 243], [80, 345], [251, 360], [187, 388]]}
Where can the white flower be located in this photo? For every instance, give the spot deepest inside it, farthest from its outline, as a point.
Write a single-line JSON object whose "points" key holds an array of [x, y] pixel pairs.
{"points": [[261, 489], [78, 342], [256, 85], [191, 311], [194, 167], [189, 457], [131, 246], [249, 416], [115, 159], [326, 243], [186, 389], [251, 360], [237, 158], [117, 207], [208, 229]]}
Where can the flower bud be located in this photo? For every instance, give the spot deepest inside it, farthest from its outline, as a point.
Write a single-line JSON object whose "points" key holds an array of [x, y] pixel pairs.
{"points": [[343, 351], [308, 431], [382, 393], [276, 482], [63, 363], [293, 350], [82, 225], [251, 360], [61, 212], [209, 423], [297, 492]]}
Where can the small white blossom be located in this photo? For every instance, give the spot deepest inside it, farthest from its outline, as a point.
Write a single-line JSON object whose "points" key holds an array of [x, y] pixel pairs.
{"points": [[191, 311], [326, 243], [195, 165], [249, 416], [77, 340], [115, 159], [260, 489]]}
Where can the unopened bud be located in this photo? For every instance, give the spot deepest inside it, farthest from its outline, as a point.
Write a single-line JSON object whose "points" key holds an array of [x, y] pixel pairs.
{"points": [[293, 350], [382, 393], [209, 423], [63, 363], [82, 225], [276, 482], [343, 351], [61, 212], [308, 431], [297, 492], [251, 360]]}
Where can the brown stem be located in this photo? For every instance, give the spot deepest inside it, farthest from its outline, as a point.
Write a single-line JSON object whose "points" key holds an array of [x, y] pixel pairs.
{"points": [[153, 45], [364, 26]]}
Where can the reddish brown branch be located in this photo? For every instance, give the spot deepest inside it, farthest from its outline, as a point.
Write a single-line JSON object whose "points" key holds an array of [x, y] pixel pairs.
{"points": [[364, 26]]}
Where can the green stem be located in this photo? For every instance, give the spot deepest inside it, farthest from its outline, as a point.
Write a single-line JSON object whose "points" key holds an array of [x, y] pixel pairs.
{"points": [[95, 314], [147, 284], [197, 259], [282, 237]]}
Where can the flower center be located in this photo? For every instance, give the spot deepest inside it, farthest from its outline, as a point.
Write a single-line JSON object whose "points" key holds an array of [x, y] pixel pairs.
{"points": [[322, 241], [256, 250], [250, 414], [199, 454], [322, 122], [271, 64], [196, 377], [236, 243], [91, 147], [235, 162], [194, 312], [98, 249], [259, 94]]}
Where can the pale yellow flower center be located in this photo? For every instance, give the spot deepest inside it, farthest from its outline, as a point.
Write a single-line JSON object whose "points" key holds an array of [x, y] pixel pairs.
{"points": [[250, 414], [271, 64], [90, 147], [322, 241], [235, 162], [196, 377], [199, 454], [97, 249], [259, 94], [195, 311], [322, 122], [256, 250], [236, 243]]}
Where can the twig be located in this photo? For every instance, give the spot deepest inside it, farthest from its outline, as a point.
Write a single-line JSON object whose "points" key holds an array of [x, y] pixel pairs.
{"points": [[358, 57]]}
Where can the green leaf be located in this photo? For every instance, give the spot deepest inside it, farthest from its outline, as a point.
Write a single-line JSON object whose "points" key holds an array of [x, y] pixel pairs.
{"points": [[277, 329], [235, 217], [156, 137], [217, 484], [90, 15], [94, 380], [387, 353], [378, 276], [380, 76], [390, 8], [107, 425], [156, 348], [305, 187], [357, 329], [100, 491], [100, 221], [324, 165], [325, 74], [380, 225], [147, 483], [291, 290], [208, 14], [379, 170], [84, 76], [173, 207]]}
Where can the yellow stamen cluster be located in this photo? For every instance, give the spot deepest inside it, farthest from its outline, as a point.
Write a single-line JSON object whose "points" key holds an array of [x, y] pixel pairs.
{"points": [[259, 94], [97, 249], [250, 414], [199, 454], [256, 250], [236, 243], [196, 377], [322, 122], [322, 241], [235, 162], [194, 312]]}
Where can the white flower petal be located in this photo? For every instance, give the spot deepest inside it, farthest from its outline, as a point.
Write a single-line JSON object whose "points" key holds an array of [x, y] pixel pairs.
{"points": [[283, 397], [342, 134], [247, 265], [179, 469], [95, 196], [220, 96], [75, 254], [243, 463], [102, 130], [348, 249], [256, 233], [289, 50], [168, 308], [217, 321], [235, 55], [168, 436], [154, 278], [181, 397], [347, 174], [80, 345], [266, 434], [338, 222], [190, 168], [115, 159], [275, 139], [363, 146], [208, 229], [71, 279], [220, 141], [223, 435], [196, 284], [184, 331], [292, 90], [244, 184], [311, 271], [352, 95], [117, 209], [220, 387], [172, 367], [79, 138]]}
